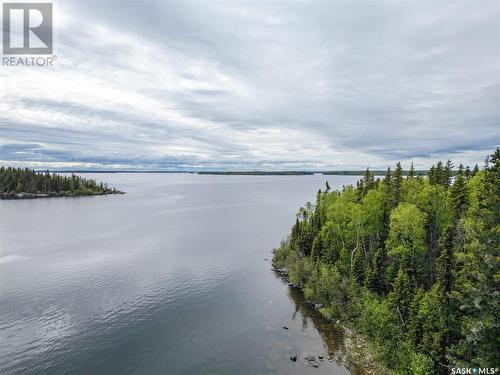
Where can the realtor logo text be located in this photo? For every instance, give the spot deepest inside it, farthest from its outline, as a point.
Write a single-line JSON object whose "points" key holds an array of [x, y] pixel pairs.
{"points": [[27, 30]]}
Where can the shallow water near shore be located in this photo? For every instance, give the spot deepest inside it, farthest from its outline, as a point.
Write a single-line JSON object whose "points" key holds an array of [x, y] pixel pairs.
{"points": [[168, 278]]}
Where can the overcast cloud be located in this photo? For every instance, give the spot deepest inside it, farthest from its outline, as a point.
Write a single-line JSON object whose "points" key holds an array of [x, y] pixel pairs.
{"points": [[237, 85]]}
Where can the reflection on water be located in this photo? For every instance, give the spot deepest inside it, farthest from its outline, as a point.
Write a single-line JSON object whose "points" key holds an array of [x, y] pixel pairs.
{"points": [[169, 278], [332, 334]]}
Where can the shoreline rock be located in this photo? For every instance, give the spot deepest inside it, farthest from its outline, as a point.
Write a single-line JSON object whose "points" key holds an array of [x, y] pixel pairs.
{"points": [[13, 196]]}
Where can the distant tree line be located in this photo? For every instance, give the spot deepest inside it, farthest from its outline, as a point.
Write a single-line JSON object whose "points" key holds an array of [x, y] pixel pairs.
{"points": [[411, 263], [309, 173], [17, 182]]}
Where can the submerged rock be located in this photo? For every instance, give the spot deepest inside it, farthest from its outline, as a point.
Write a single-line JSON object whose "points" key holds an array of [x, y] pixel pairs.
{"points": [[285, 327], [311, 360]]}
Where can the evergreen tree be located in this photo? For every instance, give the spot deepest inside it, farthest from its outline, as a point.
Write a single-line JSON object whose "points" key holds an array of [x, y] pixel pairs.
{"points": [[445, 282], [397, 181], [448, 174], [432, 175], [414, 325], [357, 268], [375, 277], [411, 172], [475, 170], [468, 173], [477, 276], [17, 182], [317, 248], [433, 331], [402, 295], [437, 175], [459, 194]]}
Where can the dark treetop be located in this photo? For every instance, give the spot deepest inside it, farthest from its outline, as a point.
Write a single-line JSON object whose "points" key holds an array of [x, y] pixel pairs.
{"points": [[27, 183]]}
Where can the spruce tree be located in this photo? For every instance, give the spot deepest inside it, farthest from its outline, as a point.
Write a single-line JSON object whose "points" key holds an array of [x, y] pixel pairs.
{"points": [[432, 175], [468, 173], [475, 170], [401, 295], [397, 181], [375, 276], [414, 324], [448, 174], [411, 172], [357, 269], [459, 194]]}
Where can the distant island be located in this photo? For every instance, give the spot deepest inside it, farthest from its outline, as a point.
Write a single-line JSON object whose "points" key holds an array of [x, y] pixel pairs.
{"points": [[305, 173], [252, 173], [17, 183]]}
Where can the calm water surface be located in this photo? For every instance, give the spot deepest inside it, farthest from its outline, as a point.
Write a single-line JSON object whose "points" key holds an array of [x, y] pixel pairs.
{"points": [[170, 278]]}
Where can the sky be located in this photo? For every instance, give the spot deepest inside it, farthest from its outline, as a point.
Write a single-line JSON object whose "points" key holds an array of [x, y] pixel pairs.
{"points": [[258, 86]]}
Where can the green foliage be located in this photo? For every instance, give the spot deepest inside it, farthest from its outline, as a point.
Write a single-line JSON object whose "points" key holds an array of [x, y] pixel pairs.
{"points": [[477, 273], [358, 267], [421, 364], [460, 194], [406, 239], [17, 182], [411, 263], [375, 276], [380, 324], [282, 254], [401, 295]]}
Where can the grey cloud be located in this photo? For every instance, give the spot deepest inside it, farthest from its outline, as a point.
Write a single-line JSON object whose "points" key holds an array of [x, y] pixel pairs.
{"points": [[385, 80]]}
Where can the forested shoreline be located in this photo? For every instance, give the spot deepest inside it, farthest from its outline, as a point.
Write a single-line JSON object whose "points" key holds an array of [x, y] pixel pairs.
{"points": [[410, 263], [17, 183], [302, 173]]}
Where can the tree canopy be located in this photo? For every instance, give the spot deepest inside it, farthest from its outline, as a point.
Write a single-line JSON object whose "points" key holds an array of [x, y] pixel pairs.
{"points": [[411, 263], [22, 183]]}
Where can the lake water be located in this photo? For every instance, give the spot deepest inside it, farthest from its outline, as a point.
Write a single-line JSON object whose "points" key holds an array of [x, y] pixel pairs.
{"points": [[170, 278]]}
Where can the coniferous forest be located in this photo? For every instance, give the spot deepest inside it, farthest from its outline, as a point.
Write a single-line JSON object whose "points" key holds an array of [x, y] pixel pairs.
{"points": [[27, 183], [410, 263]]}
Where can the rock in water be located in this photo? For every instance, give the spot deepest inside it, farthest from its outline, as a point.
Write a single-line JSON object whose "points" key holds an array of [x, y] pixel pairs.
{"points": [[293, 357], [311, 360]]}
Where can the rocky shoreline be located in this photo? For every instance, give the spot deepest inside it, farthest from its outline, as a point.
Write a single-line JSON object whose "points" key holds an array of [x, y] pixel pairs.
{"points": [[52, 195], [355, 352]]}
